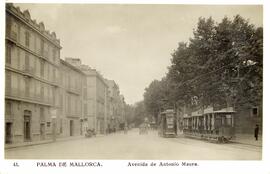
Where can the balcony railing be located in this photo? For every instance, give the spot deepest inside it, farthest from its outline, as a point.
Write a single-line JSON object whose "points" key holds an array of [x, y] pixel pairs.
{"points": [[20, 94], [73, 89], [29, 70], [12, 36], [56, 81]]}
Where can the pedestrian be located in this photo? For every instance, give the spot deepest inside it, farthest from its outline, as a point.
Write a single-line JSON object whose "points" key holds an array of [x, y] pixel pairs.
{"points": [[256, 132]]}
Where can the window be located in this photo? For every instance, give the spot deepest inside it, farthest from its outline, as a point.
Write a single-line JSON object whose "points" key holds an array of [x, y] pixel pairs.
{"points": [[42, 92], [42, 64], [61, 100], [48, 124], [54, 75], [85, 93], [8, 54], [42, 47], [27, 39], [8, 81], [255, 111], [8, 25], [69, 104], [54, 54], [27, 87], [42, 116], [228, 120], [27, 61], [169, 120], [8, 108], [53, 95]]}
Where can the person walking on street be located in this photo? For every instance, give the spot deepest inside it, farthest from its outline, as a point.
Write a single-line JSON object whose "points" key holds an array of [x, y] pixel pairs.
{"points": [[256, 132]]}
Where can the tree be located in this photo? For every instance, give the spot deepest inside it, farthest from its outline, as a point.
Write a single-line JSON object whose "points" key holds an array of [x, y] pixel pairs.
{"points": [[221, 65], [139, 113]]}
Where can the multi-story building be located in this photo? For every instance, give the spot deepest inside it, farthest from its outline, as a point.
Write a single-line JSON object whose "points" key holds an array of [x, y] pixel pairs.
{"points": [[116, 108], [113, 93], [122, 110], [96, 96], [70, 121], [31, 70]]}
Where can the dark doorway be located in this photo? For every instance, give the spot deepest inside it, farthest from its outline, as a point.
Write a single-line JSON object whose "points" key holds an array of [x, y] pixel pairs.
{"points": [[71, 127], [8, 135], [42, 131], [27, 125]]}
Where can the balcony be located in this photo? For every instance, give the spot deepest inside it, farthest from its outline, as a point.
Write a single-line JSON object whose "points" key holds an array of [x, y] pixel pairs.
{"points": [[18, 94], [73, 90], [29, 71], [56, 81], [12, 36]]}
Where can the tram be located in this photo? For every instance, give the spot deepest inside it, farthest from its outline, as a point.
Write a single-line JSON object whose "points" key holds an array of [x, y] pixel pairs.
{"points": [[167, 123], [211, 125]]}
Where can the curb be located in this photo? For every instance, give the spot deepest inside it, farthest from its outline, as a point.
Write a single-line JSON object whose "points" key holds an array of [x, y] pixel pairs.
{"points": [[239, 142], [12, 146], [30, 144], [42, 142]]}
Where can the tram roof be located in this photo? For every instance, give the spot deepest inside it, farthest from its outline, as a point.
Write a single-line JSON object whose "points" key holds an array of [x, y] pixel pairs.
{"points": [[210, 111], [168, 111]]}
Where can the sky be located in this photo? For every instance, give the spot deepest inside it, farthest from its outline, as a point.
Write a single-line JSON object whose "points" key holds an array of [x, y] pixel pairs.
{"points": [[130, 44]]}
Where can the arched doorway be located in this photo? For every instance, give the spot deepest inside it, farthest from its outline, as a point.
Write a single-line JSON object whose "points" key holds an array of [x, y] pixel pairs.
{"points": [[27, 125]]}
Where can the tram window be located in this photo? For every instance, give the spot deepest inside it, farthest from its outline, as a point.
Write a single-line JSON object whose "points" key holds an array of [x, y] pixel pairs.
{"points": [[228, 120], [170, 120], [223, 120], [218, 122]]}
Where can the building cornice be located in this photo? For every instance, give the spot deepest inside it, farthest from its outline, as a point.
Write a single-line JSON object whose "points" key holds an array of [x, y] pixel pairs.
{"points": [[72, 67], [31, 75], [25, 18]]}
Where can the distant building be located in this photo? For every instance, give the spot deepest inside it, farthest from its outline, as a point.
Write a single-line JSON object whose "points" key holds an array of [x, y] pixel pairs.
{"points": [[113, 96], [116, 106], [122, 109], [31, 70], [96, 96], [71, 117]]}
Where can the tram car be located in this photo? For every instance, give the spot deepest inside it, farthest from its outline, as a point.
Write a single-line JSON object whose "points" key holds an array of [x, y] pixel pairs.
{"points": [[167, 124], [211, 125]]}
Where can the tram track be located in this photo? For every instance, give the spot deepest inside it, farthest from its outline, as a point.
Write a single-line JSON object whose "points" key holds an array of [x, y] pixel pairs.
{"points": [[236, 145]]}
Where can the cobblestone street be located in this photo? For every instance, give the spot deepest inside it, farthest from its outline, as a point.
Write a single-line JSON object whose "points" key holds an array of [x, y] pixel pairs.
{"points": [[135, 146]]}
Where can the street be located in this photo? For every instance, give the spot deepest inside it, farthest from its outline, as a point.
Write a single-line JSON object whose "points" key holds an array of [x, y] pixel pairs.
{"points": [[134, 146]]}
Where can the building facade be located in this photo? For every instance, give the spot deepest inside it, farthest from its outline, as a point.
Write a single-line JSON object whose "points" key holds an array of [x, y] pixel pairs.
{"points": [[31, 73], [46, 97], [96, 97], [113, 93], [116, 106], [71, 117]]}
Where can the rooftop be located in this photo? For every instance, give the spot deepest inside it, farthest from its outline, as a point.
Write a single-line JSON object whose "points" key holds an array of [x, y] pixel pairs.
{"points": [[26, 17]]}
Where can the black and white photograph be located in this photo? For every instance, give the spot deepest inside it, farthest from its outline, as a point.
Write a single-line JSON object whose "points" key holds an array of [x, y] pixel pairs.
{"points": [[131, 81]]}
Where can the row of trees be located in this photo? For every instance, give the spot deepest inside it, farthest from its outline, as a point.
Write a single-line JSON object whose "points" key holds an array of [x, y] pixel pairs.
{"points": [[220, 65]]}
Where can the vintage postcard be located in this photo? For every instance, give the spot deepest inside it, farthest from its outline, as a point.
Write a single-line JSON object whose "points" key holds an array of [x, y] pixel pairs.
{"points": [[154, 85]]}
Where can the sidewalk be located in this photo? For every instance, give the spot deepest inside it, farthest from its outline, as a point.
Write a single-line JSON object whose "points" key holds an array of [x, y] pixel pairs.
{"points": [[23, 144], [248, 139]]}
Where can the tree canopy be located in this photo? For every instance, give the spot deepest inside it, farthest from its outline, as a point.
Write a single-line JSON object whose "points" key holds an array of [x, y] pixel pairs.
{"points": [[220, 65]]}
